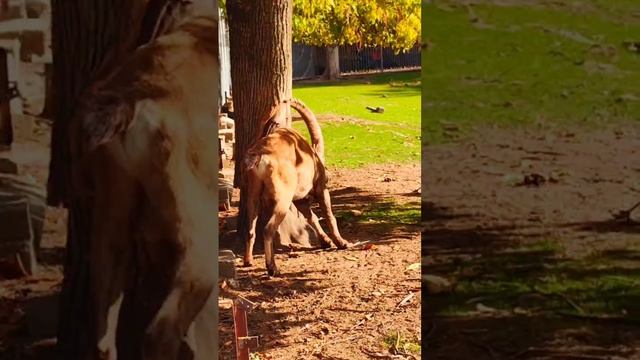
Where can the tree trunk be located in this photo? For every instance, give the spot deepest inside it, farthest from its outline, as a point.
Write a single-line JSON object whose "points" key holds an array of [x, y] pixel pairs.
{"points": [[261, 73], [87, 36], [332, 63], [47, 109], [6, 125]]}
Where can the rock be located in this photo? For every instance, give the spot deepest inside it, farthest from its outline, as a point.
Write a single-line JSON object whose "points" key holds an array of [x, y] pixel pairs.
{"points": [[225, 192], [355, 212], [12, 185], [484, 309], [16, 235], [295, 231], [436, 284], [226, 264]]}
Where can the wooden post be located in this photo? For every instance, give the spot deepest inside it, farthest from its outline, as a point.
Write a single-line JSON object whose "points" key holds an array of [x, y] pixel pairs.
{"points": [[6, 128], [381, 60], [244, 342]]}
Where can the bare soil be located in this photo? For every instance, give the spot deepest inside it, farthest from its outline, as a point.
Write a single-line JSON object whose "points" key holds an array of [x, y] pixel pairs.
{"points": [[478, 205], [338, 304], [329, 304]]}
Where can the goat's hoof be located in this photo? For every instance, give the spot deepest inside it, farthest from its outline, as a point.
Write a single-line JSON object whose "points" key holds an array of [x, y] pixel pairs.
{"points": [[273, 272], [343, 245], [247, 262], [325, 245]]}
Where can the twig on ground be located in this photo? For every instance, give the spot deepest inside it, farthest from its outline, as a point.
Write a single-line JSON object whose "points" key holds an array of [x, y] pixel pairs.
{"points": [[379, 355], [405, 301], [361, 321], [563, 297]]}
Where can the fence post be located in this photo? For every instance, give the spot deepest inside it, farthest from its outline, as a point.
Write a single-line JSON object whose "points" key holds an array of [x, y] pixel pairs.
{"points": [[6, 128], [381, 59]]}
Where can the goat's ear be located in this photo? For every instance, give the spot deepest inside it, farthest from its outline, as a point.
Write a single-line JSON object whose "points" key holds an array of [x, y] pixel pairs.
{"points": [[104, 118]]}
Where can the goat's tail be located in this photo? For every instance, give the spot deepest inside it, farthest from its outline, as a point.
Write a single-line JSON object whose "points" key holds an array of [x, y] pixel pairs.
{"points": [[317, 140]]}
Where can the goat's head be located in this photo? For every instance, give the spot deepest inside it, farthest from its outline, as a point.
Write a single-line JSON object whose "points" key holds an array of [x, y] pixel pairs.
{"points": [[175, 12]]}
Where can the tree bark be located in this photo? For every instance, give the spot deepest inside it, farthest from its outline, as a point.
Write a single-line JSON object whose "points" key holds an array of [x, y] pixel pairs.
{"points": [[47, 109], [332, 63], [6, 125], [261, 73]]}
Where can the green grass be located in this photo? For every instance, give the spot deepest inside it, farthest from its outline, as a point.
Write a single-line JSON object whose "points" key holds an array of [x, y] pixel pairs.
{"points": [[395, 340], [594, 286], [357, 137], [398, 93], [387, 212], [526, 64]]}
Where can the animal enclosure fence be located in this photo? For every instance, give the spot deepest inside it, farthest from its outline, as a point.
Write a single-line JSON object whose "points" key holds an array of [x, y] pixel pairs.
{"points": [[309, 61]]}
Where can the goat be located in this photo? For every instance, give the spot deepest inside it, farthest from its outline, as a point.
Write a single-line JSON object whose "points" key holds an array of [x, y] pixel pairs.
{"points": [[280, 169], [150, 152]]}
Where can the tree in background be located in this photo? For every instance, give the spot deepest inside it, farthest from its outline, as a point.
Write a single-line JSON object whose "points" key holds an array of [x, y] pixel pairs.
{"points": [[367, 23]]}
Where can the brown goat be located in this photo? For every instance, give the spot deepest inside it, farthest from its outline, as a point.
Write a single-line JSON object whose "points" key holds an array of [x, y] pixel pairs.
{"points": [[281, 168], [151, 152]]}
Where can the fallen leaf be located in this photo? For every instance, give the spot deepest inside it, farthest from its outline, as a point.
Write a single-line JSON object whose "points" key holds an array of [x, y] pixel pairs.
{"points": [[414, 266], [483, 308]]}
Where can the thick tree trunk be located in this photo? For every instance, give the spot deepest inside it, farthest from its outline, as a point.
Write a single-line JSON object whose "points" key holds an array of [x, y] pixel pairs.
{"points": [[6, 125], [332, 63], [261, 73], [47, 109]]}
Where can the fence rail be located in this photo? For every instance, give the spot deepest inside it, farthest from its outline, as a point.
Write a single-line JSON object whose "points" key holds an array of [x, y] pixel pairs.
{"points": [[309, 61]]}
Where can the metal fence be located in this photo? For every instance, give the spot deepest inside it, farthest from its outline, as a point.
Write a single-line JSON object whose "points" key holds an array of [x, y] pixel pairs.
{"points": [[354, 59], [309, 61]]}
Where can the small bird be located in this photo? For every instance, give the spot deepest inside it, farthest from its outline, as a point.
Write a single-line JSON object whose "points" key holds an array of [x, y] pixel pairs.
{"points": [[378, 109]]}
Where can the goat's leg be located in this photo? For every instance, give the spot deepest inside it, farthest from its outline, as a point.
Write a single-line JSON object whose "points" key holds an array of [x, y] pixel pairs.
{"points": [[278, 214], [325, 205], [305, 208], [254, 189], [111, 255], [191, 287]]}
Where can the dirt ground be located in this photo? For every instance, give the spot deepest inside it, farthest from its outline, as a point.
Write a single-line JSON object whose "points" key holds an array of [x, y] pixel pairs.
{"points": [[478, 207], [339, 304], [329, 304]]}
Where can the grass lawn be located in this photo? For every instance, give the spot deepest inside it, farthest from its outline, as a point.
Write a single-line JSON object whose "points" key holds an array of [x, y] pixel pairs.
{"points": [[520, 64], [354, 136], [516, 64]]}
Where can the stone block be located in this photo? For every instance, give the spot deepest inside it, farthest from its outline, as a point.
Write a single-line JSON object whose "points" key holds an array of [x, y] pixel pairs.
{"points": [[226, 264], [22, 210]]}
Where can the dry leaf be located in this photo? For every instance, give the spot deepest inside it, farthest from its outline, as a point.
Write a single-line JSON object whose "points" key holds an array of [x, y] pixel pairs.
{"points": [[414, 266]]}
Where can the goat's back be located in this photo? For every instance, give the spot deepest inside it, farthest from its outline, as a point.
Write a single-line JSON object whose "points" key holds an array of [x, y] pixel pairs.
{"points": [[285, 158]]}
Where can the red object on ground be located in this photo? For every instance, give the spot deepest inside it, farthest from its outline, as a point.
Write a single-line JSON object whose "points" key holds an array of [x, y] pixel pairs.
{"points": [[243, 341]]}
